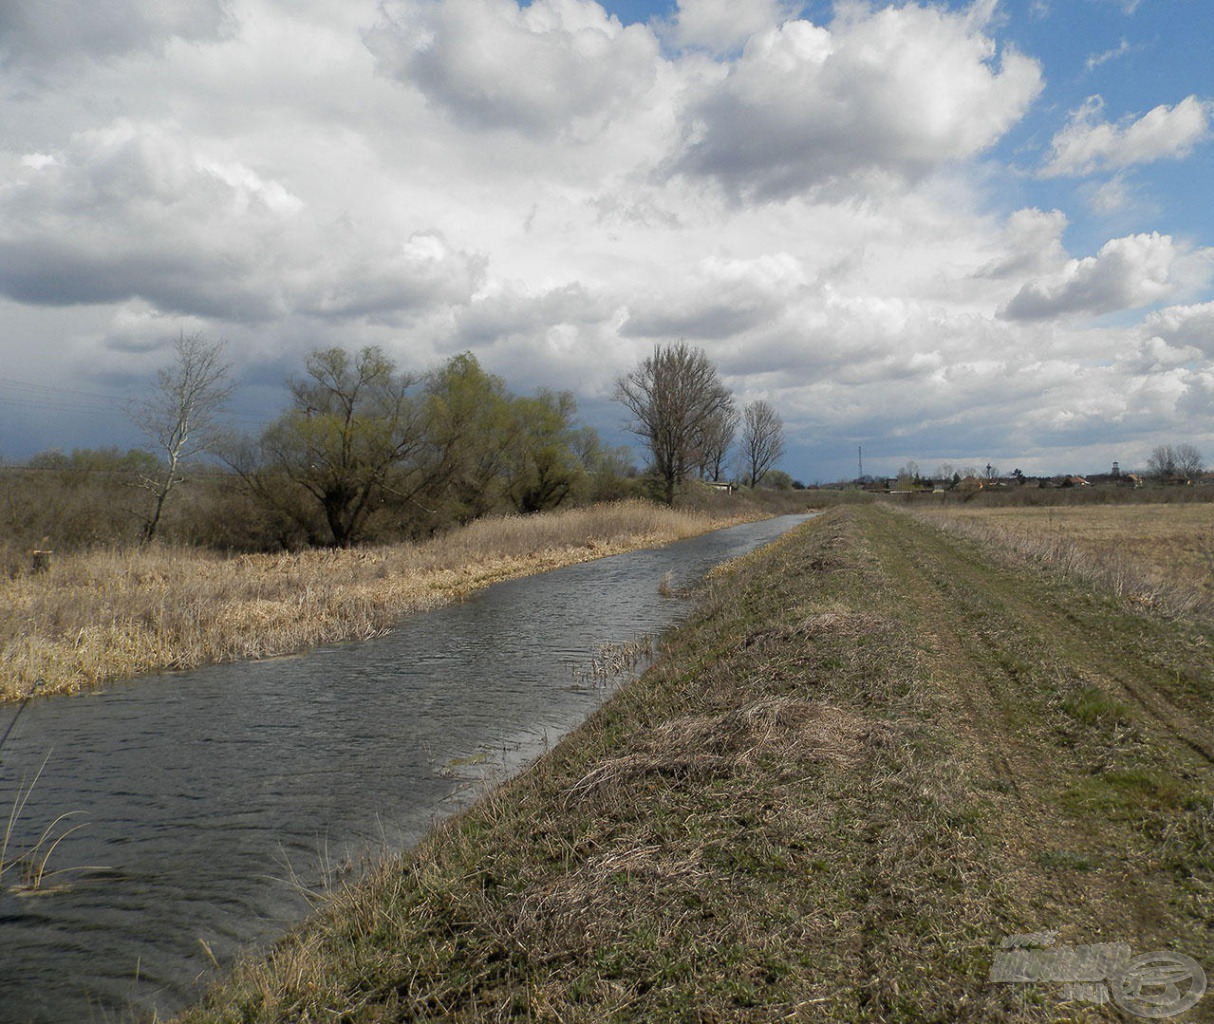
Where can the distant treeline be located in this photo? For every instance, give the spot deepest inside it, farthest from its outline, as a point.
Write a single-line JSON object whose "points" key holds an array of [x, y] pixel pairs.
{"points": [[362, 454]]}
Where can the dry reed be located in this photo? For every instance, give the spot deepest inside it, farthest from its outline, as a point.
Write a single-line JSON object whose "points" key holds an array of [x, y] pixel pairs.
{"points": [[112, 614]]}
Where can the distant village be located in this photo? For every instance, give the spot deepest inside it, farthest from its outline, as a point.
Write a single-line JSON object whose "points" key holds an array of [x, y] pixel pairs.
{"points": [[910, 481]]}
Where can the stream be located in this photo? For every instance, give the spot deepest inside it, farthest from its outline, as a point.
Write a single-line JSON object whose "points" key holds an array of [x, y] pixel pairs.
{"points": [[210, 802]]}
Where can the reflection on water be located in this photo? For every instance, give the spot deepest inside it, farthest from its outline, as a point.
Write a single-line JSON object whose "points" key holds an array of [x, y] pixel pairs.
{"points": [[209, 799]]}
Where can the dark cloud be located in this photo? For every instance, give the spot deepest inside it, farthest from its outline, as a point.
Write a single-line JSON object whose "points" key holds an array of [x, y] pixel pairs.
{"points": [[712, 321]]}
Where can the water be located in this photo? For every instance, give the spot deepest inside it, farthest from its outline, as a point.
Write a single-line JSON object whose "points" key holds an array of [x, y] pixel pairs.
{"points": [[209, 800]]}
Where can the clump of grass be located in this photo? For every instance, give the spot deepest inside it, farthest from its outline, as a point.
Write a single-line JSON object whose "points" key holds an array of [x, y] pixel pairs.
{"points": [[32, 863], [110, 614], [1091, 706], [613, 661]]}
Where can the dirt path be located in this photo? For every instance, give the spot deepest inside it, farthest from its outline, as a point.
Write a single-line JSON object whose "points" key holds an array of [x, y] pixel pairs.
{"points": [[1097, 721]]}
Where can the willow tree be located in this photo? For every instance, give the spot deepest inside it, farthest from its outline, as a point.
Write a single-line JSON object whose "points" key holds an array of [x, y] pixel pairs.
{"points": [[542, 465], [470, 426], [354, 434], [674, 395]]}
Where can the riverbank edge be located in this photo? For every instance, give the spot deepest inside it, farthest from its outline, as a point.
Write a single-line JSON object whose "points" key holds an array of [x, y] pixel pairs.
{"points": [[171, 610], [813, 807]]}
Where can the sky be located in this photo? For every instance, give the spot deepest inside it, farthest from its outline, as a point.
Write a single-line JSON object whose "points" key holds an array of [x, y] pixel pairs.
{"points": [[961, 232]]}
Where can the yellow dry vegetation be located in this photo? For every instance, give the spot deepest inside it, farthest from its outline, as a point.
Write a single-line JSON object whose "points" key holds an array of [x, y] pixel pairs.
{"points": [[113, 614], [1172, 543]]}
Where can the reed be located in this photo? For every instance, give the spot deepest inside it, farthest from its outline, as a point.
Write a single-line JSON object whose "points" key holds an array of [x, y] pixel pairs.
{"points": [[32, 863], [115, 613]]}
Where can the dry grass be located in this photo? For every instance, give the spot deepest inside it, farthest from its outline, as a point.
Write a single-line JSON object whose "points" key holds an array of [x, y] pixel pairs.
{"points": [[1160, 555], [104, 615]]}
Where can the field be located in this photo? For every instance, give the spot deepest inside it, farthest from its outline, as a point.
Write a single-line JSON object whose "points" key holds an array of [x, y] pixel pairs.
{"points": [[104, 614], [875, 753], [1162, 548]]}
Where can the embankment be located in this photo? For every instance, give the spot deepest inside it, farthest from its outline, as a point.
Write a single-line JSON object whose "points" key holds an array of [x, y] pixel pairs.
{"points": [[869, 755], [113, 614]]}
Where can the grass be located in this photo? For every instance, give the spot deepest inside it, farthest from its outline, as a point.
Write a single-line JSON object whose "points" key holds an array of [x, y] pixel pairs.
{"points": [[1159, 553], [870, 754], [110, 614]]}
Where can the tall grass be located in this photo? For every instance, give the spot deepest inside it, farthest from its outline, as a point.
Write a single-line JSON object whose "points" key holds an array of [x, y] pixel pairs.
{"points": [[1158, 557], [113, 613]]}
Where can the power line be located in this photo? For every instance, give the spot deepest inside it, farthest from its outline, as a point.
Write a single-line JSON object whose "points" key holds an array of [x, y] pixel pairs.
{"points": [[58, 398]]}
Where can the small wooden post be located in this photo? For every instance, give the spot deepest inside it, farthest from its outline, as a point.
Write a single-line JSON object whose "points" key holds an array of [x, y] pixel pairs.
{"points": [[41, 561]]}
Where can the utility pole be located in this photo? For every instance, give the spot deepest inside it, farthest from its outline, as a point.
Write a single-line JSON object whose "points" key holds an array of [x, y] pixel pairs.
{"points": [[859, 462]]}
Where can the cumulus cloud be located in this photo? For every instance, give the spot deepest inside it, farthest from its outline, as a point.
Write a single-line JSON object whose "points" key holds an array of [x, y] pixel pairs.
{"points": [[1031, 244], [38, 35], [385, 280], [896, 92], [721, 26], [817, 205], [1126, 273], [512, 313], [134, 210], [1089, 144], [1184, 327], [551, 67]]}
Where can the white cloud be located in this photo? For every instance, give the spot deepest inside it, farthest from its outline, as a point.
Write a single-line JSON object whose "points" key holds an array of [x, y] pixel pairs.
{"points": [[552, 67], [724, 298], [1096, 59], [1088, 144], [1111, 196], [1125, 274], [1031, 244], [137, 210], [1184, 327], [894, 93], [721, 26], [822, 211]]}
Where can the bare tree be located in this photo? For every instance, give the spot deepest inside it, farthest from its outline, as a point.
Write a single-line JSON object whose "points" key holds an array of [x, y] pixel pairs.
{"points": [[716, 440], [1162, 463], [180, 418], [673, 395], [762, 440], [1188, 461]]}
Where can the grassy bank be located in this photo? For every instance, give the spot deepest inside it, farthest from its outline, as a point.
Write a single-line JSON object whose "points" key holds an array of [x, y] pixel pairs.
{"points": [[870, 754], [102, 615]]}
